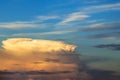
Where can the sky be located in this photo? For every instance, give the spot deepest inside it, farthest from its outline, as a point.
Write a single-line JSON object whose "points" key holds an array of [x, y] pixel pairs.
{"points": [[93, 26]]}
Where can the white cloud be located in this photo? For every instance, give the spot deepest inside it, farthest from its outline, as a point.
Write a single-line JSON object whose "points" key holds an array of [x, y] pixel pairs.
{"points": [[98, 25], [57, 32], [92, 1], [43, 33], [73, 17], [38, 34], [20, 25], [85, 12], [23, 46], [36, 23], [43, 18], [100, 8]]}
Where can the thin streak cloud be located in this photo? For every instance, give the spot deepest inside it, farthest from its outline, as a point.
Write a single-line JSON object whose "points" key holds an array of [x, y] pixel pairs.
{"points": [[44, 33], [44, 18], [73, 17], [21, 25], [100, 8], [102, 26]]}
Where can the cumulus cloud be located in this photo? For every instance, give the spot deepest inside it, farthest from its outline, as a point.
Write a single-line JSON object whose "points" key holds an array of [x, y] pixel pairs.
{"points": [[36, 54], [27, 44]]}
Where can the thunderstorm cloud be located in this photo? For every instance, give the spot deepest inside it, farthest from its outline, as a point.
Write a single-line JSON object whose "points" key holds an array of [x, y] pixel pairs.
{"points": [[35, 54], [24, 45]]}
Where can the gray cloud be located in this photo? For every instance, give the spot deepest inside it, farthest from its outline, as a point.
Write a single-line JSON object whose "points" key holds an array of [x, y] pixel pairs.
{"points": [[115, 35], [109, 46], [100, 27]]}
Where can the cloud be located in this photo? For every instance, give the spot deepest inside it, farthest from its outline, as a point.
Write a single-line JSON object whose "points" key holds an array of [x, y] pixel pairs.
{"points": [[43, 18], [36, 23], [107, 35], [102, 26], [28, 45], [36, 54], [84, 14], [44, 33], [20, 25], [91, 2], [109, 46], [101, 8], [39, 34], [76, 16], [47, 72]]}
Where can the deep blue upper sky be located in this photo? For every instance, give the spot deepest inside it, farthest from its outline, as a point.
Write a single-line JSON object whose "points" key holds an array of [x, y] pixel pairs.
{"points": [[81, 22]]}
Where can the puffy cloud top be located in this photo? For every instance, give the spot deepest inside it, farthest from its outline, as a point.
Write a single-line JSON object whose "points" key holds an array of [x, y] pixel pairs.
{"points": [[26, 54], [22, 45]]}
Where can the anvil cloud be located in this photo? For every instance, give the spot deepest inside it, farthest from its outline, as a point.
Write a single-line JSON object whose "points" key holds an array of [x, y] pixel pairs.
{"points": [[25, 54], [19, 46]]}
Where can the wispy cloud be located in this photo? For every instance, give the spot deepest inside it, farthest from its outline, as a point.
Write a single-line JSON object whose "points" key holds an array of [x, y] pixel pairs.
{"points": [[91, 2], [109, 46], [35, 23], [107, 35], [103, 26], [44, 18], [85, 13], [75, 16], [2, 35], [44, 33], [20, 25], [100, 8]]}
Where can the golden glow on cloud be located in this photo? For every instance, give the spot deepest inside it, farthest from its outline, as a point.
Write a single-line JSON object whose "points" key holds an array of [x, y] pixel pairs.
{"points": [[20, 46], [25, 54]]}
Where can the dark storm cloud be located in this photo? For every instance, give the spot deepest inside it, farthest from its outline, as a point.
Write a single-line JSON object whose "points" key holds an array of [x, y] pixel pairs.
{"points": [[52, 60], [47, 72], [109, 46], [106, 35], [85, 60], [100, 27], [102, 75]]}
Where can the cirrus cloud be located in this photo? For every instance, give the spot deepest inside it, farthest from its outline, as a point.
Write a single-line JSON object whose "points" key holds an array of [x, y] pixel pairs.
{"points": [[103, 26], [73, 17], [20, 25]]}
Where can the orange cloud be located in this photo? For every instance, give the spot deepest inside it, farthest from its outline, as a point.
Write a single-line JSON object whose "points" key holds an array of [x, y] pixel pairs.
{"points": [[25, 54], [21, 46]]}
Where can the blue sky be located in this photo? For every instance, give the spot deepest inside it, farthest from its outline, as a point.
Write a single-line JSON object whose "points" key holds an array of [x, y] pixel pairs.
{"points": [[74, 21], [92, 25]]}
